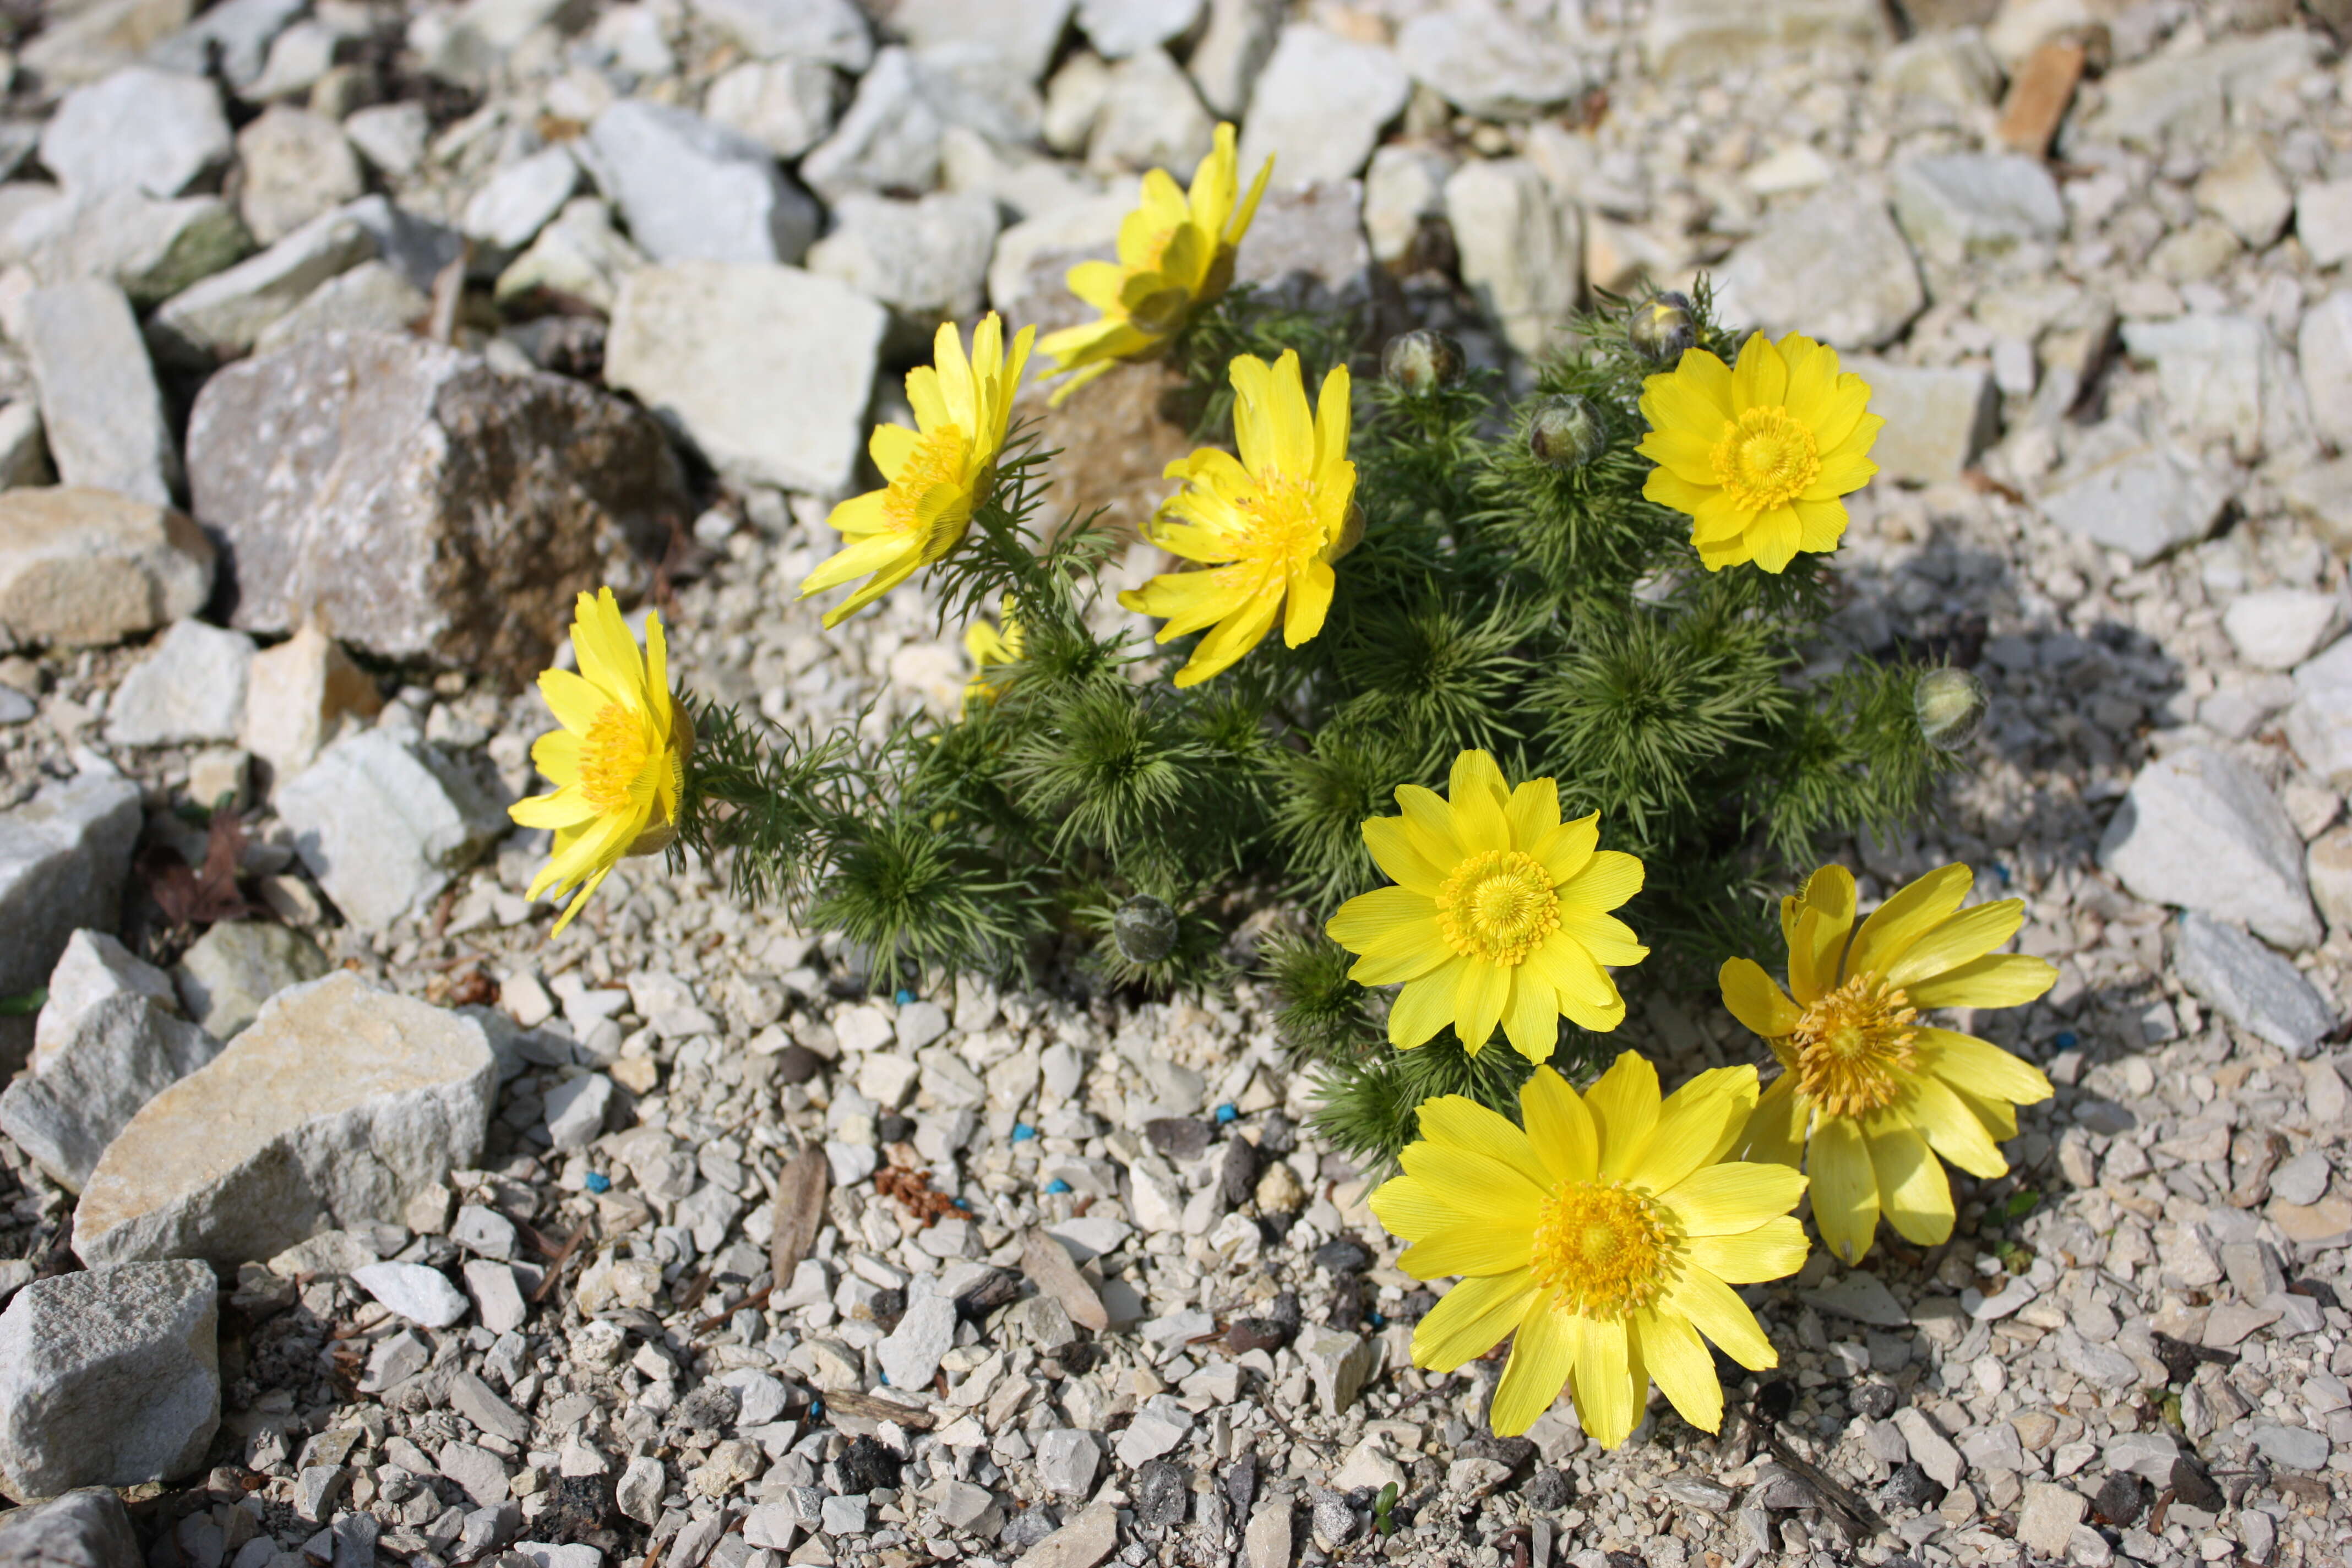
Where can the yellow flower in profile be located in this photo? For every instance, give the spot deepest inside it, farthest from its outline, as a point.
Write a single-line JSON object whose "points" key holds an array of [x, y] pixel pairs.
{"points": [[1869, 1096], [1500, 914], [1757, 455], [1607, 1236], [989, 646], [1175, 255], [935, 476], [1267, 527], [619, 761]]}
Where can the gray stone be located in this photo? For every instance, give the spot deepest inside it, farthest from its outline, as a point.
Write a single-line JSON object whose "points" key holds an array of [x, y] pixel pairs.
{"points": [[1521, 250], [889, 139], [238, 966], [1404, 188], [2278, 629], [910, 1354], [1319, 105], [148, 247], [392, 136], [1488, 63], [191, 687], [426, 505], [1929, 1446], [2223, 378], [2319, 721], [93, 969], [421, 248], [1938, 418], [86, 1528], [580, 254], [1266, 1543], [1025, 32], [300, 59], [2323, 348], [785, 105], [1942, 71], [1233, 48], [481, 1474], [765, 370], [383, 824], [336, 1106], [2046, 1523], [148, 129], [225, 315], [2245, 192], [81, 566], [1341, 1364], [483, 1231], [237, 32], [1066, 1461], [1308, 246], [2129, 493], [2201, 829], [94, 1067], [2186, 96], [498, 1299], [1698, 37], [2296, 1448], [297, 695], [107, 1377], [576, 1110], [1835, 268], [101, 409], [822, 32], [2251, 986], [1862, 1297], [474, 1400], [2322, 221], [374, 297], [297, 168], [2302, 1180], [638, 1494], [1120, 28], [926, 259], [1150, 118], [1156, 1427], [1963, 207], [522, 198], [694, 191], [64, 856]]}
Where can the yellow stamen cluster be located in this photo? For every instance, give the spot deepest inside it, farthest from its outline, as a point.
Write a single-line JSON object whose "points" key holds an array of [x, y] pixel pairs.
{"points": [[1765, 459], [1854, 1048], [1498, 905], [612, 756], [1603, 1249]]}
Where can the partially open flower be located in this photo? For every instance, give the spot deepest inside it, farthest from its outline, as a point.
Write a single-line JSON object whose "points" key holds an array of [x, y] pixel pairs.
{"points": [[1951, 706], [1663, 327], [1566, 431], [1422, 361]]}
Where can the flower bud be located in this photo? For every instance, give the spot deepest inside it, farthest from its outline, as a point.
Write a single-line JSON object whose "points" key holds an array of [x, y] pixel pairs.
{"points": [[1422, 361], [1662, 328], [1144, 929], [1951, 705], [1566, 432]]}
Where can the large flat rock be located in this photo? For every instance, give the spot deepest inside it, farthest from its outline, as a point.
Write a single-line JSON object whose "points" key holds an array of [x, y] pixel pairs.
{"points": [[2201, 829], [335, 1107]]}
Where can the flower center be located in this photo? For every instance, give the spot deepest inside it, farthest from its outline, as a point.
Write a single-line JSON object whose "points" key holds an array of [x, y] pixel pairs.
{"points": [[1279, 524], [1766, 458], [1498, 906], [1854, 1047], [613, 756], [1604, 1248], [936, 460]]}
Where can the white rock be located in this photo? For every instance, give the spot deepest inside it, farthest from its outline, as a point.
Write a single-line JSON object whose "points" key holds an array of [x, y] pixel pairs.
{"points": [[888, 140], [1341, 1364], [691, 190], [522, 198], [2046, 1523], [241, 32], [910, 1354], [2324, 346], [1929, 1446], [2278, 629], [87, 1528], [1488, 63], [153, 130], [886, 1080], [1938, 418], [2322, 220], [101, 408], [576, 1110], [336, 1106], [1233, 48], [580, 254], [1963, 207], [1119, 28], [2187, 95], [148, 247], [93, 969], [298, 694], [1696, 37], [1521, 251], [225, 315], [424, 1296], [498, 1299], [1023, 31], [2245, 192], [375, 296], [97, 1059], [82, 566], [2201, 829], [64, 856], [926, 259], [1835, 268], [2319, 723], [297, 168], [1319, 105], [1404, 188], [299, 58], [1067, 1461], [1947, 71], [824, 32], [392, 136], [382, 825], [2223, 376], [1156, 1427], [2131, 494], [1150, 118], [2251, 986], [107, 1377], [765, 369], [191, 687], [786, 105], [238, 966]]}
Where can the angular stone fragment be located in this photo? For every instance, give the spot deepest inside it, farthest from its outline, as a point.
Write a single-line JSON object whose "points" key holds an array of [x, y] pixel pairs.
{"points": [[373, 296], [64, 855], [1695, 37], [81, 566], [140, 128], [1023, 31], [784, 105], [334, 1108], [225, 315], [694, 191], [94, 969], [148, 247], [297, 694], [1521, 251], [522, 198], [2323, 348], [92, 1075], [238, 966], [85, 1528], [1967, 206], [765, 369], [2319, 721], [926, 259], [107, 1377], [1835, 268], [191, 687], [1488, 63], [237, 32], [1937, 418], [297, 167], [101, 408], [383, 825], [826, 32], [2201, 829], [580, 254], [2131, 494], [1319, 105], [423, 504]]}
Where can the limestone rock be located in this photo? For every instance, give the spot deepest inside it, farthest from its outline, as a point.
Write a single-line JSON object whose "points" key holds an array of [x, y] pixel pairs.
{"points": [[1963, 207], [147, 129], [889, 139], [85, 1528], [2201, 829], [374, 297], [82, 566], [238, 966], [2324, 345], [926, 259], [94, 968], [580, 254], [691, 190], [1486, 62], [2188, 95], [824, 32], [191, 687], [1023, 31], [149, 248], [107, 1377], [334, 1108], [64, 855], [420, 503], [2319, 721], [765, 369], [1521, 251], [2278, 629], [225, 315], [2223, 376], [297, 167], [785, 105], [2322, 220], [2131, 494], [1695, 37], [238, 31], [298, 694], [1319, 105], [1119, 30], [1835, 268], [1937, 418], [1150, 118], [2245, 192], [2251, 986], [383, 825], [522, 198], [1403, 190], [1233, 48], [101, 408]]}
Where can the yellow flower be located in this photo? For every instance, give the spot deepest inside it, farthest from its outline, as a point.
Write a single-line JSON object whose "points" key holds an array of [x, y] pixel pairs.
{"points": [[619, 761], [1267, 527], [1870, 1096], [1759, 455], [989, 644], [1175, 255], [1500, 914], [1607, 1235], [937, 475]]}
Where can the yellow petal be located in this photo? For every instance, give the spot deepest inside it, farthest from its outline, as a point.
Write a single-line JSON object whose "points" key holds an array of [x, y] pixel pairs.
{"points": [[1394, 852], [1603, 1363], [1542, 1354], [1998, 980], [1607, 880], [1625, 1105], [565, 808], [1409, 1210], [1773, 537], [1760, 377], [1307, 602], [1474, 1247], [1711, 1307], [1913, 910], [1677, 1359], [1461, 1121], [1963, 939], [1752, 998], [1567, 852], [571, 700], [1775, 1127], [1733, 1198], [1770, 1251], [1475, 1183], [1845, 1187], [1823, 918], [1977, 1066], [1477, 796], [1953, 1130], [1424, 1006], [1532, 1015], [1233, 637], [1696, 1123], [1478, 1003], [1912, 1190], [1471, 1319], [1560, 1128], [1608, 939], [556, 754], [1430, 823], [1533, 812], [606, 650], [1385, 918]]}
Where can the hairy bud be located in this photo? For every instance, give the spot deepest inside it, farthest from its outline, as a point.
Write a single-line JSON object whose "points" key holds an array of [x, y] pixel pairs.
{"points": [[1566, 431], [1662, 328], [1951, 705], [1422, 361], [1144, 929]]}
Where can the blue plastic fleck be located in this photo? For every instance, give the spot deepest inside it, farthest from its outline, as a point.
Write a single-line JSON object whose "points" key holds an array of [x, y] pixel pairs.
{"points": [[1057, 1186], [1378, 1322], [597, 1181], [904, 997], [1023, 1132], [965, 1203], [1228, 1112], [2065, 1040], [2002, 872], [886, 1380]]}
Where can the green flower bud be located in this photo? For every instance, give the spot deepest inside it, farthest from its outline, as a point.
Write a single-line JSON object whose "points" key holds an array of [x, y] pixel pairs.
{"points": [[1566, 431], [1422, 361], [1951, 705], [1143, 930], [1662, 328]]}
